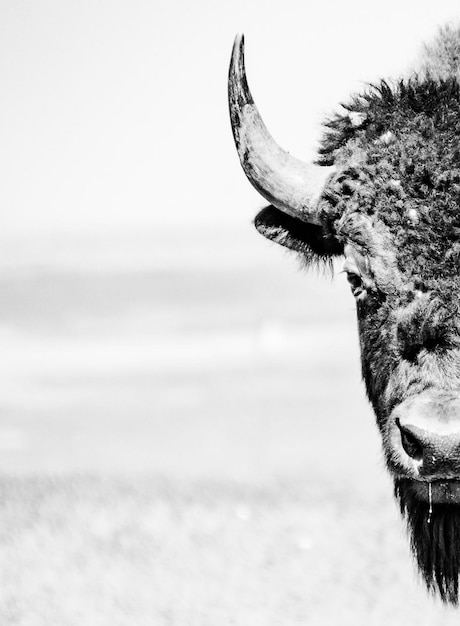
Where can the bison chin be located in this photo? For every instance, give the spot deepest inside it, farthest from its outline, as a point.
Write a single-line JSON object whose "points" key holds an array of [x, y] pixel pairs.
{"points": [[435, 540]]}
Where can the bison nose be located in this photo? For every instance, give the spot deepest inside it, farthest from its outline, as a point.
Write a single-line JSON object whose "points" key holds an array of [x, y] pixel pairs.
{"points": [[412, 441], [427, 430]]}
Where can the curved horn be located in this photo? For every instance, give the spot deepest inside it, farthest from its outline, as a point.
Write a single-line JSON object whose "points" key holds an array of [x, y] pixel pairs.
{"points": [[289, 184]]}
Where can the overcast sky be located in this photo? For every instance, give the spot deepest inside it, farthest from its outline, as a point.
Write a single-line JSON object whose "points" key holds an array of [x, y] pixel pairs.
{"points": [[113, 113]]}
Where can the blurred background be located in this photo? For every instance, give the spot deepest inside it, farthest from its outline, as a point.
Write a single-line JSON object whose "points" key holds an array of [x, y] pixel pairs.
{"points": [[184, 436]]}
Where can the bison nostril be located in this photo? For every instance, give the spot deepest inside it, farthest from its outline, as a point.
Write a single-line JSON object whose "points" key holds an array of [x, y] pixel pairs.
{"points": [[411, 444]]}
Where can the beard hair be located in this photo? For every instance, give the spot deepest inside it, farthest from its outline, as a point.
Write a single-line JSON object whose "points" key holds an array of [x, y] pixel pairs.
{"points": [[435, 541]]}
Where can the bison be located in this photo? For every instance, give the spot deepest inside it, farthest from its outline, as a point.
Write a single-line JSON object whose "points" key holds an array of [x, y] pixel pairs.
{"points": [[384, 194]]}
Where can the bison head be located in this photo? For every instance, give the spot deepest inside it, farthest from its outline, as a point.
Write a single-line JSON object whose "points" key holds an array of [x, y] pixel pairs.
{"points": [[385, 195]]}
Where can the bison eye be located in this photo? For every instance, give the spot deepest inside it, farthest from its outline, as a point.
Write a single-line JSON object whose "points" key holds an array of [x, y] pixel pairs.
{"points": [[356, 283]]}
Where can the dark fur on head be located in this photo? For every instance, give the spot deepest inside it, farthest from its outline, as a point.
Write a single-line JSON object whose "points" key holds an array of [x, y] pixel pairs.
{"points": [[435, 541], [428, 325]]}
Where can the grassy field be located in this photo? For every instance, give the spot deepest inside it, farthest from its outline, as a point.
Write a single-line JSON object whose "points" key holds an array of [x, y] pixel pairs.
{"points": [[193, 447], [94, 551]]}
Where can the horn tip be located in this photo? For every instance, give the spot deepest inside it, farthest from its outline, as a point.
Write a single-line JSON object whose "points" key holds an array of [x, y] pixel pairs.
{"points": [[238, 89], [237, 72], [238, 46]]}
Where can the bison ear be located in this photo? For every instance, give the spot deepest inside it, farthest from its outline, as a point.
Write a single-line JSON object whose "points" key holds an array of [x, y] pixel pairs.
{"points": [[310, 240]]}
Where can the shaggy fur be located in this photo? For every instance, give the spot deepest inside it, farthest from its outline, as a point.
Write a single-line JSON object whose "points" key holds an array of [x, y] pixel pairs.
{"points": [[427, 325], [434, 540], [419, 169], [397, 151], [441, 58]]}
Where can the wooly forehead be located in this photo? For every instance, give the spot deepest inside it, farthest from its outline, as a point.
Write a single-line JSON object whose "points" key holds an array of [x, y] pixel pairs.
{"points": [[397, 191]]}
